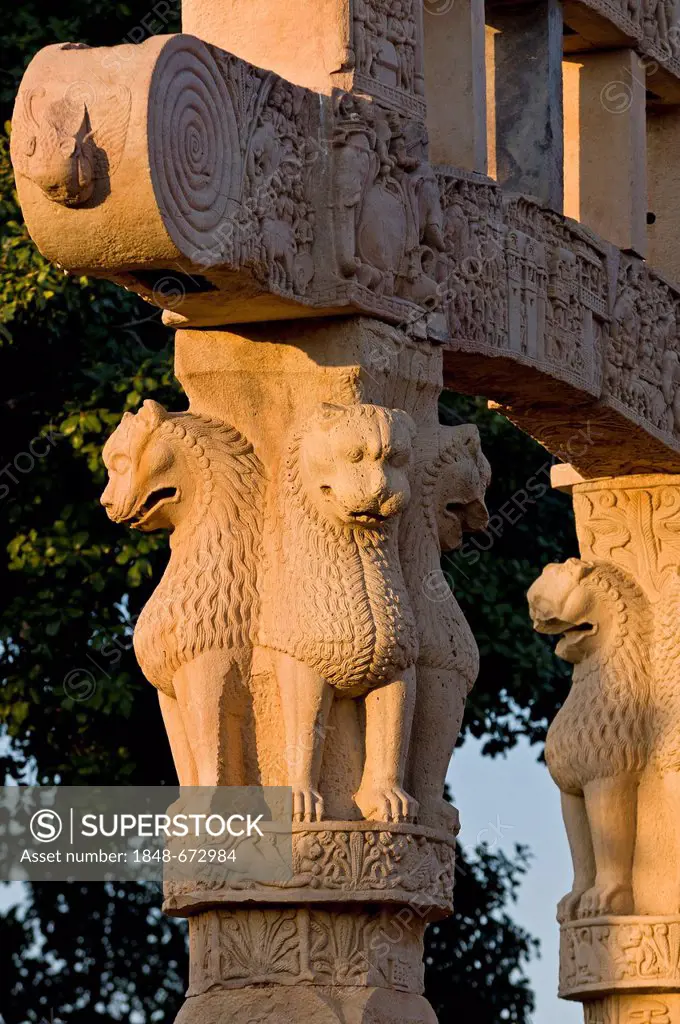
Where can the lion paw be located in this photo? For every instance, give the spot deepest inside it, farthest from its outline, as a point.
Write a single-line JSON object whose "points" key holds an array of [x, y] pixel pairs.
{"points": [[388, 803], [568, 906], [307, 804], [612, 898]]}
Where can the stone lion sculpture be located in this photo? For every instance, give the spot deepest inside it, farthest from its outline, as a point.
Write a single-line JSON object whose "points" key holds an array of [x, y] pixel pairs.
{"points": [[598, 745], [450, 486], [201, 480], [336, 615]]}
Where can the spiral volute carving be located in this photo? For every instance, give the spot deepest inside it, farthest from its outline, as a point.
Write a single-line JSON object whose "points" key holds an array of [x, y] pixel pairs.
{"points": [[195, 157]]}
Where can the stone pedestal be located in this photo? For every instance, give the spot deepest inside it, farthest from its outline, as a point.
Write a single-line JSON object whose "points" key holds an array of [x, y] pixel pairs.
{"points": [[343, 939]]}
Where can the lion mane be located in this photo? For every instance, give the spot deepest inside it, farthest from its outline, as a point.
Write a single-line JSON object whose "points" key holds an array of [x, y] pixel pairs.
{"points": [[207, 597], [602, 728], [335, 597]]}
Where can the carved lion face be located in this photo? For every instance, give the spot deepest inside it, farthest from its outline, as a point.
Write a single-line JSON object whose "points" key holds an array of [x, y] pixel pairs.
{"points": [[354, 462], [143, 490], [463, 476], [561, 602]]}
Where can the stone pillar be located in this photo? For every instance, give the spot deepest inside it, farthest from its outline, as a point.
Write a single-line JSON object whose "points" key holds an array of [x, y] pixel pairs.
{"points": [[527, 41], [663, 175], [303, 636], [605, 104], [454, 44], [367, 45], [614, 748]]}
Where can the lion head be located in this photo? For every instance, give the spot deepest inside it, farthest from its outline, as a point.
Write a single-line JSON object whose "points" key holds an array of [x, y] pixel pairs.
{"points": [[455, 484], [143, 489], [590, 604], [353, 463]]}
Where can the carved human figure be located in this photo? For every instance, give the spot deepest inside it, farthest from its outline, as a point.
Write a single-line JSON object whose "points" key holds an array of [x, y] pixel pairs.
{"points": [[449, 489], [201, 480], [597, 746], [336, 615], [356, 163]]}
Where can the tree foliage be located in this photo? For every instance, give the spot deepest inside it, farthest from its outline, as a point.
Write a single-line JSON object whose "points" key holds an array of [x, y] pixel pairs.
{"points": [[75, 354]]}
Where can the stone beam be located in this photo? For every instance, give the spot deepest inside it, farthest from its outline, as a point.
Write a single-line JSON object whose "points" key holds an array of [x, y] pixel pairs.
{"points": [[653, 30], [222, 192], [557, 313], [225, 194]]}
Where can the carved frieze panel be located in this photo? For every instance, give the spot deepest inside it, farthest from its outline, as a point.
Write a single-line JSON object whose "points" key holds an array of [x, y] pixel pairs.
{"points": [[341, 862], [387, 52], [620, 954], [305, 946]]}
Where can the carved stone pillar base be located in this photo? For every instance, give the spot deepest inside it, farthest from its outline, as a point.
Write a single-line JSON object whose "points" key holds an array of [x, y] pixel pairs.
{"points": [[341, 941], [626, 956], [276, 1004]]}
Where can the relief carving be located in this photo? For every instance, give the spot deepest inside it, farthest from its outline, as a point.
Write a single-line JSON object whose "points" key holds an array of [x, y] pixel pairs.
{"points": [[340, 862], [234, 948], [388, 217], [387, 51], [277, 185], [628, 954], [643, 351], [71, 143]]}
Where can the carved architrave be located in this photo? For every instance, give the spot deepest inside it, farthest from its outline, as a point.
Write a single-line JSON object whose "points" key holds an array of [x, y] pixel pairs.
{"points": [[255, 198]]}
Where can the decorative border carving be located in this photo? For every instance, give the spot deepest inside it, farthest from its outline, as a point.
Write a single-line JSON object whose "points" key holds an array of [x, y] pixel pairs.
{"points": [[619, 954], [343, 862], [633, 522], [301, 946]]}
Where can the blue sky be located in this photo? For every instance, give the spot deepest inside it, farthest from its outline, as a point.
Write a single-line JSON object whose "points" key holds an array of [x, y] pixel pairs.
{"points": [[511, 800]]}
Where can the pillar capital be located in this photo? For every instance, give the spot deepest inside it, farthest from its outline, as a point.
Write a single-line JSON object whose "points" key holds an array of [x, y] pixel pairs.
{"points": [[304, 635]]}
